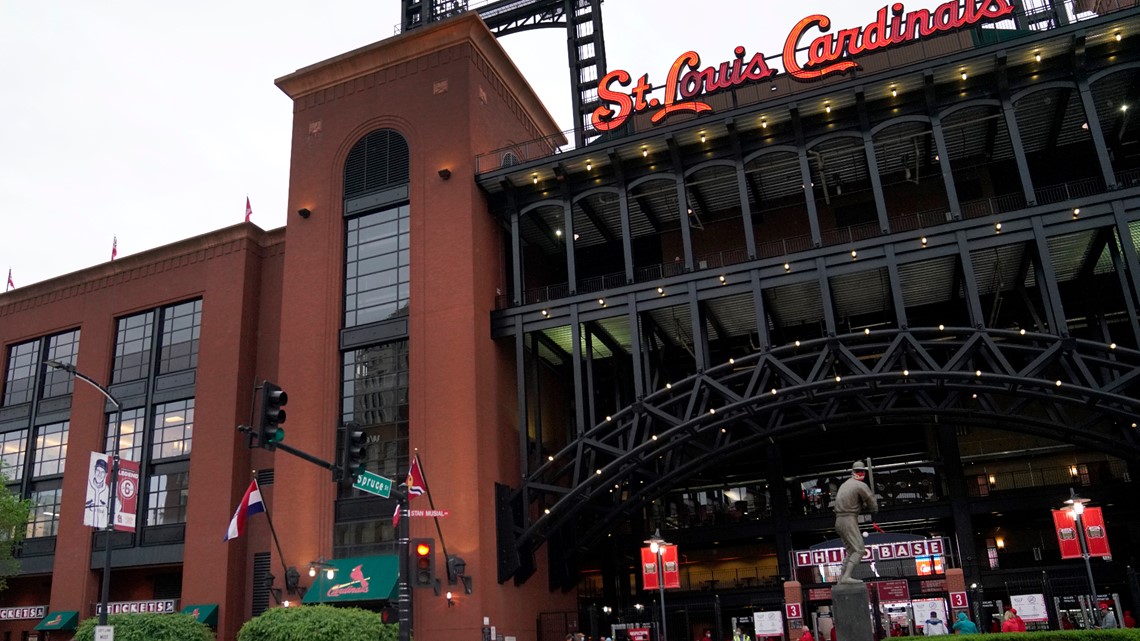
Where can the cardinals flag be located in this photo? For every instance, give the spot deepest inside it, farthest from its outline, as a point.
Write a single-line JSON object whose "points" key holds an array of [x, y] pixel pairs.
{"points": [[248, 210], [11, 284], [114, 248], [415, 482]]}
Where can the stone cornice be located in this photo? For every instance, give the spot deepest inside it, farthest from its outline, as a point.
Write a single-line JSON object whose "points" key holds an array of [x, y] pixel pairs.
{"points": [[183, 253]]}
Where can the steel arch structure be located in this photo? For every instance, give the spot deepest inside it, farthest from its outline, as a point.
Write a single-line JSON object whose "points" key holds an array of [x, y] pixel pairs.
{"points": [[1071, 390]]}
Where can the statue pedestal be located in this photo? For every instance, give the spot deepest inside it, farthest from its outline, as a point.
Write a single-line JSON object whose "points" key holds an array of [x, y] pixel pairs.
{"points": [[852, 612]]}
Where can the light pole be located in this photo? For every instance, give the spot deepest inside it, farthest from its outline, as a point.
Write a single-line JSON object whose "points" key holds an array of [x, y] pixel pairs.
{"points": [[657, 546], [113, 490], [1077, 506]]}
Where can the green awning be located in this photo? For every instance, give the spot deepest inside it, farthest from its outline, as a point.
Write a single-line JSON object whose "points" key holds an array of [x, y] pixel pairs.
{"points": [[205, 613], [62, 620], [366, 578]]}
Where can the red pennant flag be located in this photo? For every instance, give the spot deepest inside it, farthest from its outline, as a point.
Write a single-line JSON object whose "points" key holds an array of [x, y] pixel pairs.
{"points": [[396, 516], [11, 285], [415, 481], [248, 210], [115, 248]]}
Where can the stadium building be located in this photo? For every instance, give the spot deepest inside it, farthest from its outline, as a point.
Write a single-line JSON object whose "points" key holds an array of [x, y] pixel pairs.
{"points": [[910, 241]]}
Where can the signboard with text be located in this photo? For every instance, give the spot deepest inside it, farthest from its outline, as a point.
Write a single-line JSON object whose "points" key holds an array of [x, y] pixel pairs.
{"points": [[895, 591], [1030, 607], [157, 606], [23, 612], [810, 52], [126, 506], [875, 552], [768, 624], [1068, 539]]}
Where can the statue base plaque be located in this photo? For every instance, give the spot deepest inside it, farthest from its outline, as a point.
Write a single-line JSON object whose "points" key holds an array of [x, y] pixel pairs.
{"points": [[852, 612]]}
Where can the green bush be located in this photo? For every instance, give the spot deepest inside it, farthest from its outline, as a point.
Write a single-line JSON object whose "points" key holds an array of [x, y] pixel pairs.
{"points": [[149, 627], [316, 623]]}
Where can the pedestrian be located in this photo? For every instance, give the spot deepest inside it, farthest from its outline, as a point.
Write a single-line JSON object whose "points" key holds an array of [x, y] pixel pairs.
{"points": [[1108, 618], [1129, 622], [934, 626], [964, 625], [1012, 622], [1066, 622], [807, 635]]}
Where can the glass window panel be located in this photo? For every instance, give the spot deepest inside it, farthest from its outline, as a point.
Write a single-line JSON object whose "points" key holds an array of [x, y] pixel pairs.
{"points": [[50, 450], [44, 520], [13, 448], [372, 253], [130, 435], [181, 328], [21, 378], [173, 430], [375, 396], [166, 498], [133, 344], [63, 348]]}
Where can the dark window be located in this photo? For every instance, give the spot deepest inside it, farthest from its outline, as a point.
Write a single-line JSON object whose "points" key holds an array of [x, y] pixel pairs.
{"points": [[21, 379], [133, 343], [167, 495], [376, 267], [51, 450], [181, 326], [62, 348], [375, 396]]}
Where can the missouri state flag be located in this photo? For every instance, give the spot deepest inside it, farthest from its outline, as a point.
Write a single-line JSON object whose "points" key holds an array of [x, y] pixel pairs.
{"points": [[415, 481], [250, 504]]}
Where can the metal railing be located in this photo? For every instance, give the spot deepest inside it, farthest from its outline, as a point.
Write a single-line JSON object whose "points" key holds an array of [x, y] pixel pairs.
{"points": [[1084, 474], [831, 237]]}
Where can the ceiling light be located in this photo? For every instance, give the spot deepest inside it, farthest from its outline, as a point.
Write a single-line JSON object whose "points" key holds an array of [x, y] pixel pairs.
{"points": [[1076, 212], [997, 228], [575, 236], [602, 302], [1117, 35], [894, 92], [661, 290], [964, 76], [703, 138], [838, 378], [866, 331], [546, 312], [774, 392], [1023, 332], [787, 267], [1058, 383], [534, 178], [797, 343], [723, 281], [827, 107], [941, 327], [977, 372], [763, 123], [923, 241], [645, 152], [558, 233], [854, 254], [1037, 56], [589, 165], [1112, 345]]}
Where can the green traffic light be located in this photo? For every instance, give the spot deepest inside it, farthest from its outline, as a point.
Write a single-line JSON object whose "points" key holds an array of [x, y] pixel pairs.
{"points": [[278, 435]]}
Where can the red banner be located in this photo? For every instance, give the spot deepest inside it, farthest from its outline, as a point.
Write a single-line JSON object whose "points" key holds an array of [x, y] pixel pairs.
{"points": [[649, 578], [671, 568], [638, 634], [1066, 534], [1096, 536], [895, 591], [126, 506]]}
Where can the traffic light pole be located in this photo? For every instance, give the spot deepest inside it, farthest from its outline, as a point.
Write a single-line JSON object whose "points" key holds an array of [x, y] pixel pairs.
{"points": [[404, 600]]}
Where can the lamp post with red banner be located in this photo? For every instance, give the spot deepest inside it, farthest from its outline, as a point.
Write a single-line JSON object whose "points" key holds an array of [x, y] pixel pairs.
{"points": [[659, 549], [1077, 508]]}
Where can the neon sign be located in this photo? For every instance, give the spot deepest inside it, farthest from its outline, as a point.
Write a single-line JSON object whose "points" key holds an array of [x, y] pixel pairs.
{"points": [[826, 54]]}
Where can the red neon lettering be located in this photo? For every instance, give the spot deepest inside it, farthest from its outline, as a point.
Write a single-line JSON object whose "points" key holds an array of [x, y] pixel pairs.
{"points": [[793, 41], [604, 118], [673, 85]]}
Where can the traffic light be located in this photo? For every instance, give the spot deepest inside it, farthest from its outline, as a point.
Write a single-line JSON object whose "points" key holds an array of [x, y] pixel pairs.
{"points": [[270, 432], [423, 563], [352, 454], [389, 615]]}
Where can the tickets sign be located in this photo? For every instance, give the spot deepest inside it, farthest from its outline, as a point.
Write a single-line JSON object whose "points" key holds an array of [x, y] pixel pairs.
{"points": [[158, 606], [874, 552], [25, 612]]}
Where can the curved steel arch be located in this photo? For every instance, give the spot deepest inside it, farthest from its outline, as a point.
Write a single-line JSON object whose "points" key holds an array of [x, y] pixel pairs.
{"points": [[1062, 388]]}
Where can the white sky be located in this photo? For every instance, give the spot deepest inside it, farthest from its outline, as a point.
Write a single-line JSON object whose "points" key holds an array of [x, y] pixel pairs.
{"points": [[152, 121]]}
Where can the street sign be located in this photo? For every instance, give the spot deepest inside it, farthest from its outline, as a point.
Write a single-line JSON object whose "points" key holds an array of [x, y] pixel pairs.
{"points": [[373, 484], [104, 633]]}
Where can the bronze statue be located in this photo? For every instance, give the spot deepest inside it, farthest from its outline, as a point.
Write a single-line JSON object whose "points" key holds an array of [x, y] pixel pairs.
{"points": [[852, 498]]}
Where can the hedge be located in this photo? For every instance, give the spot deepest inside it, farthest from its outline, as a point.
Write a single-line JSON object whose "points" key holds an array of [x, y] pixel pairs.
{"points": [[316, 623], [149, 627], [1129, 634]]}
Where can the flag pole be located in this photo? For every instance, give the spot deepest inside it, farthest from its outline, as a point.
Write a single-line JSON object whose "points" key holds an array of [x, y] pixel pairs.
{"points": [[431, 503], [272, 530]]}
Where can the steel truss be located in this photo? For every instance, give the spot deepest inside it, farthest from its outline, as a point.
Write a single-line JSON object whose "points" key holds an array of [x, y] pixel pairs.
{"points": [[1077, 391]]}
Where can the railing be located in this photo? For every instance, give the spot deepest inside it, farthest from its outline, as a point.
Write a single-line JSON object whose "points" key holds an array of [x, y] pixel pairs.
{"points": [[830, 237], [1088, 473]]}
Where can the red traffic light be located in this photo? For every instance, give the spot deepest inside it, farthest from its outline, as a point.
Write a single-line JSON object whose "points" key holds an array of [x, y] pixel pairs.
{"points": [[423, 549]]}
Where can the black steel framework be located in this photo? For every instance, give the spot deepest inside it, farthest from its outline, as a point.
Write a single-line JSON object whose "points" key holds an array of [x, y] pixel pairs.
{"points": [[585, 43], [1040, 248]]}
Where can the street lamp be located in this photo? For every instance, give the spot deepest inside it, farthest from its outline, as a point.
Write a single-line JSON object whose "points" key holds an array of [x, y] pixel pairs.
{"points": [[114, 480], [1077, 507], [657, 546]]}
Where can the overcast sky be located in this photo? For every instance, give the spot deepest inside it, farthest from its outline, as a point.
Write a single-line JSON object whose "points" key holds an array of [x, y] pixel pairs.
{"points": [[153, 121]]}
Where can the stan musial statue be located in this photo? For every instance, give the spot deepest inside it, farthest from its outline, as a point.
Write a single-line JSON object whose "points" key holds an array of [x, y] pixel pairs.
{"points": [[852, 498]]}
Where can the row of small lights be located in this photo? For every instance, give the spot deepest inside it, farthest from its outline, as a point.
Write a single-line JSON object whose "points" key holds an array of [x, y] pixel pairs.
{"points": [[724, 281]]}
